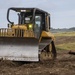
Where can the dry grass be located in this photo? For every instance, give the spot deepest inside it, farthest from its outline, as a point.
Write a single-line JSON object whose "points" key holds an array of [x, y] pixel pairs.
{"points": [[65, 34], [67, 44]]}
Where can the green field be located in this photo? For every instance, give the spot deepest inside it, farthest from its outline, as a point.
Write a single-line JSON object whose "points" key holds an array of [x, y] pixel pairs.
{"points": [[65, 34], [68, 39], [68, 46]]}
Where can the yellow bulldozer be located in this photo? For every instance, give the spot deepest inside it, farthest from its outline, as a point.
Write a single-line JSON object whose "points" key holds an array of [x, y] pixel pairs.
{"points": [[28, 40]]}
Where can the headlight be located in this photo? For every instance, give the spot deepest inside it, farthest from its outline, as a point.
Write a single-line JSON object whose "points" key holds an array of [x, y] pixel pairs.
{"points": [[30, 26]]}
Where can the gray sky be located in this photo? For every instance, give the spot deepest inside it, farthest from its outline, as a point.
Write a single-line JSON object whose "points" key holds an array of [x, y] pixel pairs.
{"points": [[62, 11]]}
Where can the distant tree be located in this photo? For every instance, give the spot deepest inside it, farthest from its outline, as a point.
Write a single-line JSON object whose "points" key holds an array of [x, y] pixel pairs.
{"points": [[73, 28], [51, 28]]}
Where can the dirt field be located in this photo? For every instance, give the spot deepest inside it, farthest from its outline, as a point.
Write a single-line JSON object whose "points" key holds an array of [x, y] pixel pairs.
{"points": [[63, 65]]}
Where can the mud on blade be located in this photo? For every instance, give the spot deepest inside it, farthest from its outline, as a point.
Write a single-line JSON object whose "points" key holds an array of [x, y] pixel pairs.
{"points": [[19, 49]]}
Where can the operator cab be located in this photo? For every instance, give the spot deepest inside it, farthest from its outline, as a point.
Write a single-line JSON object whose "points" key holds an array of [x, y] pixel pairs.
{"points": [[34, 18]]}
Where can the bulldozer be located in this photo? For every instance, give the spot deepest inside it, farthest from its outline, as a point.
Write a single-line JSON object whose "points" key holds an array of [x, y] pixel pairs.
{"points": [[30, 38]]}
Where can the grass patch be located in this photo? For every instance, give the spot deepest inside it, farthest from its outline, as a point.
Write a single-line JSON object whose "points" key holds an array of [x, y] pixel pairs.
{"points": [[65, 34], [68, 46]]}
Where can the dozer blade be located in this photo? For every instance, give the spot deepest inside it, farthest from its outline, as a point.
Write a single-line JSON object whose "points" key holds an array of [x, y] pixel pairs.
{"points": [[19, 49]]}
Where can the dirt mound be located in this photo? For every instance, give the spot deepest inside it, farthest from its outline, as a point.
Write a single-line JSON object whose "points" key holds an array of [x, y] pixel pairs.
{"points": [[5, 63], [63, 65]]}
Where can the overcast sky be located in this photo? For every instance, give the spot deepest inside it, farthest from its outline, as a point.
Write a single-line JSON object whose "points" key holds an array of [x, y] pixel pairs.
{"points": [[62, 11]]}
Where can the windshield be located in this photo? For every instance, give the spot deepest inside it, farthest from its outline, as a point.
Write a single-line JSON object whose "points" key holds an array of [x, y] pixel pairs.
{"points": [[19, 16], [37, 25], [25, 17]]}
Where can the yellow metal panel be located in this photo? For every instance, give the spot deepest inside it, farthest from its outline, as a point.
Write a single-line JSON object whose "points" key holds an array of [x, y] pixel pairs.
{"points": [[46, 34], [29, 33], [24, 27]]}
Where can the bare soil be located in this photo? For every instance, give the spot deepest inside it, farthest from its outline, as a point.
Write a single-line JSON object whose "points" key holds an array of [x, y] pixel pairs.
{"points": [[63, 65]]}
